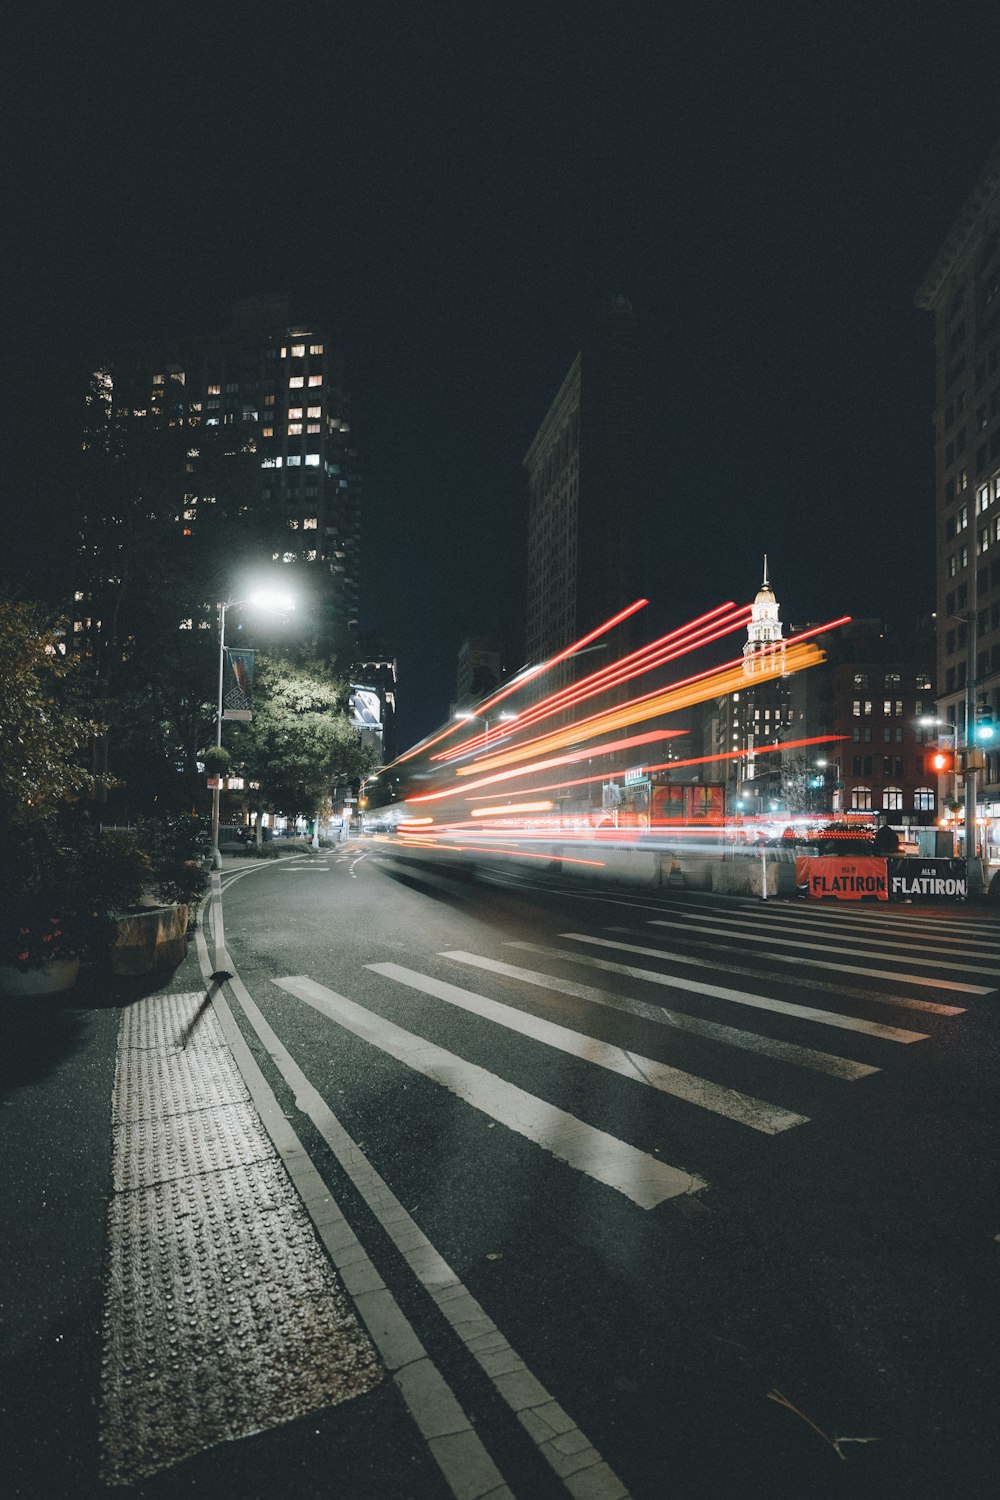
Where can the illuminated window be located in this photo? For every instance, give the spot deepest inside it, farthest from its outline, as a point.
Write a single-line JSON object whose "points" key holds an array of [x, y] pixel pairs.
{"points": [[292, 461], [315, 348], [294, 413], [157, 379], [283, 353], [312, 427], [892, 799], [267, 432], [294, 429], [297, 351], [296, 381], [312, 460], [310, 556], [288, 557], [309, 524], [923, 799], [314, 411], [215, 390], [190, 515], [314, 380], [861, 799]]}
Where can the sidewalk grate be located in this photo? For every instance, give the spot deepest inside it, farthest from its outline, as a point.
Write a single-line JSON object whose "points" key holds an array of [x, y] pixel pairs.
{"points": [[223, 1315]]}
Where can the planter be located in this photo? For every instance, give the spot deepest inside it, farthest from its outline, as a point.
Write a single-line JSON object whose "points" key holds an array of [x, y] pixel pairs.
{"points": [[50, 978], [150, 940]]}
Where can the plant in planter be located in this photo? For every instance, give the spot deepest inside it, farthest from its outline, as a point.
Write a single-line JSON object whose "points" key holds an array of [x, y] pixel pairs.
{"points": [[216, 760], [41, 937]]}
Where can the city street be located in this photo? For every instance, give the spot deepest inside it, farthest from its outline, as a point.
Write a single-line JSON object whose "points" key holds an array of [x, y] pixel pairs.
{"points": [[658, 1193]]}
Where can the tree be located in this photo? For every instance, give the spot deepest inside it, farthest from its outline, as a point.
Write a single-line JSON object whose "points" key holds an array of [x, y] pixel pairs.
{"points": [[300, 740], [46, 726]]}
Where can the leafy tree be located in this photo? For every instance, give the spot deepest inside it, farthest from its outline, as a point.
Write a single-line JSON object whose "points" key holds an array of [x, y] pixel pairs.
{"points": [[300, 739], [46, 724]]}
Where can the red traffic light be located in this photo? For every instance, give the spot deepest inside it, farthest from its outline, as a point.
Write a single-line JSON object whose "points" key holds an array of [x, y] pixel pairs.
{"points": [[943, 761]]}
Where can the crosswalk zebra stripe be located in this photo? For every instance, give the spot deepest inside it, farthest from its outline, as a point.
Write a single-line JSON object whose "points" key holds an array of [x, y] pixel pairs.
{"points": [[875, 935], [738, 997], [828, 963], [637, 1176], [728, 927], [731, 1104], [730, 1036]]}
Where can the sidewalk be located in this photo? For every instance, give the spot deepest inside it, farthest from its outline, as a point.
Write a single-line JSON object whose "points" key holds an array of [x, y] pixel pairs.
{"points": [[162, 1289]]}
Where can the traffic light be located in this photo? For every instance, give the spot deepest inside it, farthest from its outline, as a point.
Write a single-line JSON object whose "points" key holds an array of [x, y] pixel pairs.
{"points": [[985, 729], [943, 762]]}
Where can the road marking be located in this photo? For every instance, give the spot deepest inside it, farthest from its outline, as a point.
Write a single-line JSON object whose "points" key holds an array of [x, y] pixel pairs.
{"points": [[822, 963], [868, 930], [729, 927], [634, 1174], [738, 997], [756, 1114], [730, 1036]]}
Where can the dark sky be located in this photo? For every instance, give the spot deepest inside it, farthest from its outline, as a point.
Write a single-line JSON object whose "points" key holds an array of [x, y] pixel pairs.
{"points": [[453, 188]]}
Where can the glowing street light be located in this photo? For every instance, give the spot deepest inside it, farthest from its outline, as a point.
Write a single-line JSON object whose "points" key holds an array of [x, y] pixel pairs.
{"points": [[505, 718], [272, 601]]}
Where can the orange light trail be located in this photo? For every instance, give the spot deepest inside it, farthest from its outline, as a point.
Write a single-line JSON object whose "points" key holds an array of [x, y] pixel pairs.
{"points": [[522, 678], [608, 748], [700, 632]]}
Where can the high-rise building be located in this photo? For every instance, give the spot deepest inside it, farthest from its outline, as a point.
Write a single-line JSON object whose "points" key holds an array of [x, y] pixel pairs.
{"points": [[268, 395], [583, 494], [962, 290]]}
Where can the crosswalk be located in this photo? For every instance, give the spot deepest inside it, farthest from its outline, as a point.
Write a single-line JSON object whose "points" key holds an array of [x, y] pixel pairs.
{"points": [[665, 1004]]}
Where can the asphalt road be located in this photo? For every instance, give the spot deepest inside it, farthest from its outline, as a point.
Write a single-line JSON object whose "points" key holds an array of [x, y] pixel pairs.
{"points": [[721, 1173]]}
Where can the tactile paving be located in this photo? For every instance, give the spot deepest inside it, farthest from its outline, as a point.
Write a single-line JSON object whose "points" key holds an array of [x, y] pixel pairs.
{"points": [[173, 1023], [223, 1316], [151, 1150]]}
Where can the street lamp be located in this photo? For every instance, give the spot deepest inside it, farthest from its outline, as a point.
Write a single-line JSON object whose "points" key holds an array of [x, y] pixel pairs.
{"points": [[274, 601], [505, 717]]}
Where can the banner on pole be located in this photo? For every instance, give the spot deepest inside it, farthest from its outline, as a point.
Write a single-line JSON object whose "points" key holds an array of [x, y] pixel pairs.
{"points": [[237, 693]]}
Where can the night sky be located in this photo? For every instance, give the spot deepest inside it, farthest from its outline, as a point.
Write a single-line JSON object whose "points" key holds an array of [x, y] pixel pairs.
{"points": [[452, 189]]}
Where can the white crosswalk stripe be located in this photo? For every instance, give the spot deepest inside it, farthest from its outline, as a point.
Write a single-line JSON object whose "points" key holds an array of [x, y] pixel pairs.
{"points": [[731, 927], [722, 992], [730, 1036], [770, 1119], [642, 1178], [925, 981]]}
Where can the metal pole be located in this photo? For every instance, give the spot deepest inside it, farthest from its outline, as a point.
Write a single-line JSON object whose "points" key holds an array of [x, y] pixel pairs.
{"points": [[973, 867], [216, 855]]}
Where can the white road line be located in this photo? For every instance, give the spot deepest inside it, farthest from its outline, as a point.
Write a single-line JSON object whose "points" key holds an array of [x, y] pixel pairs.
{"points": [[551, 1429], [736, 928], [878, 937], [634, 1174], [730, 1036], [738, 997], [462, 1457], [743, 1109], [822, 963]]}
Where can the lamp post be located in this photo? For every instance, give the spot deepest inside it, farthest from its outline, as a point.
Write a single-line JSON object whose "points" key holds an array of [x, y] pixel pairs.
{"points": [[946, 727], [276, 602], [504, 717]]}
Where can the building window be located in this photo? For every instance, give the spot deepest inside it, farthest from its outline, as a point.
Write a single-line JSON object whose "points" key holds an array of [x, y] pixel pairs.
{"points": [[310, 524], [294, 413], [315, 348], [215, 390], [314, 380], [297, 351], [312, 460], [861, 799], [891, 682], [861, 681], [295, 429], [295, 382], [892, 799], [314, 411], [923, 799]]}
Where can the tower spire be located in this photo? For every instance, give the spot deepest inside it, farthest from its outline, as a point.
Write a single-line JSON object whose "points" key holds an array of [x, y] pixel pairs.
{"points": [[766, 584]]}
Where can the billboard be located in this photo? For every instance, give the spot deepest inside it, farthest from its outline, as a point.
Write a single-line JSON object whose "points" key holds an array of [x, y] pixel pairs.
{"points": [[365, 707]]}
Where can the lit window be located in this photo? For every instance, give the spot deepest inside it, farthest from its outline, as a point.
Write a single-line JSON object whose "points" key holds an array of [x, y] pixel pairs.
{"points": [[190, 515], [284, 353], [267, 432], [309, 524], [157, 379], [292, 461], [186, 625], [312, 460], [294, 413], [892, 799], [923, 799], [861, 799], [310, 556], [293, 525], [288, 557], [294, 429], [314, 380], [298, 350], [315, 348], [215, 390], [295, 381]]}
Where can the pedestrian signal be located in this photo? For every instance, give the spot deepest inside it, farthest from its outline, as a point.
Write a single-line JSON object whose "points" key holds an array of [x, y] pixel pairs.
{"points": [[943, 761]]}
